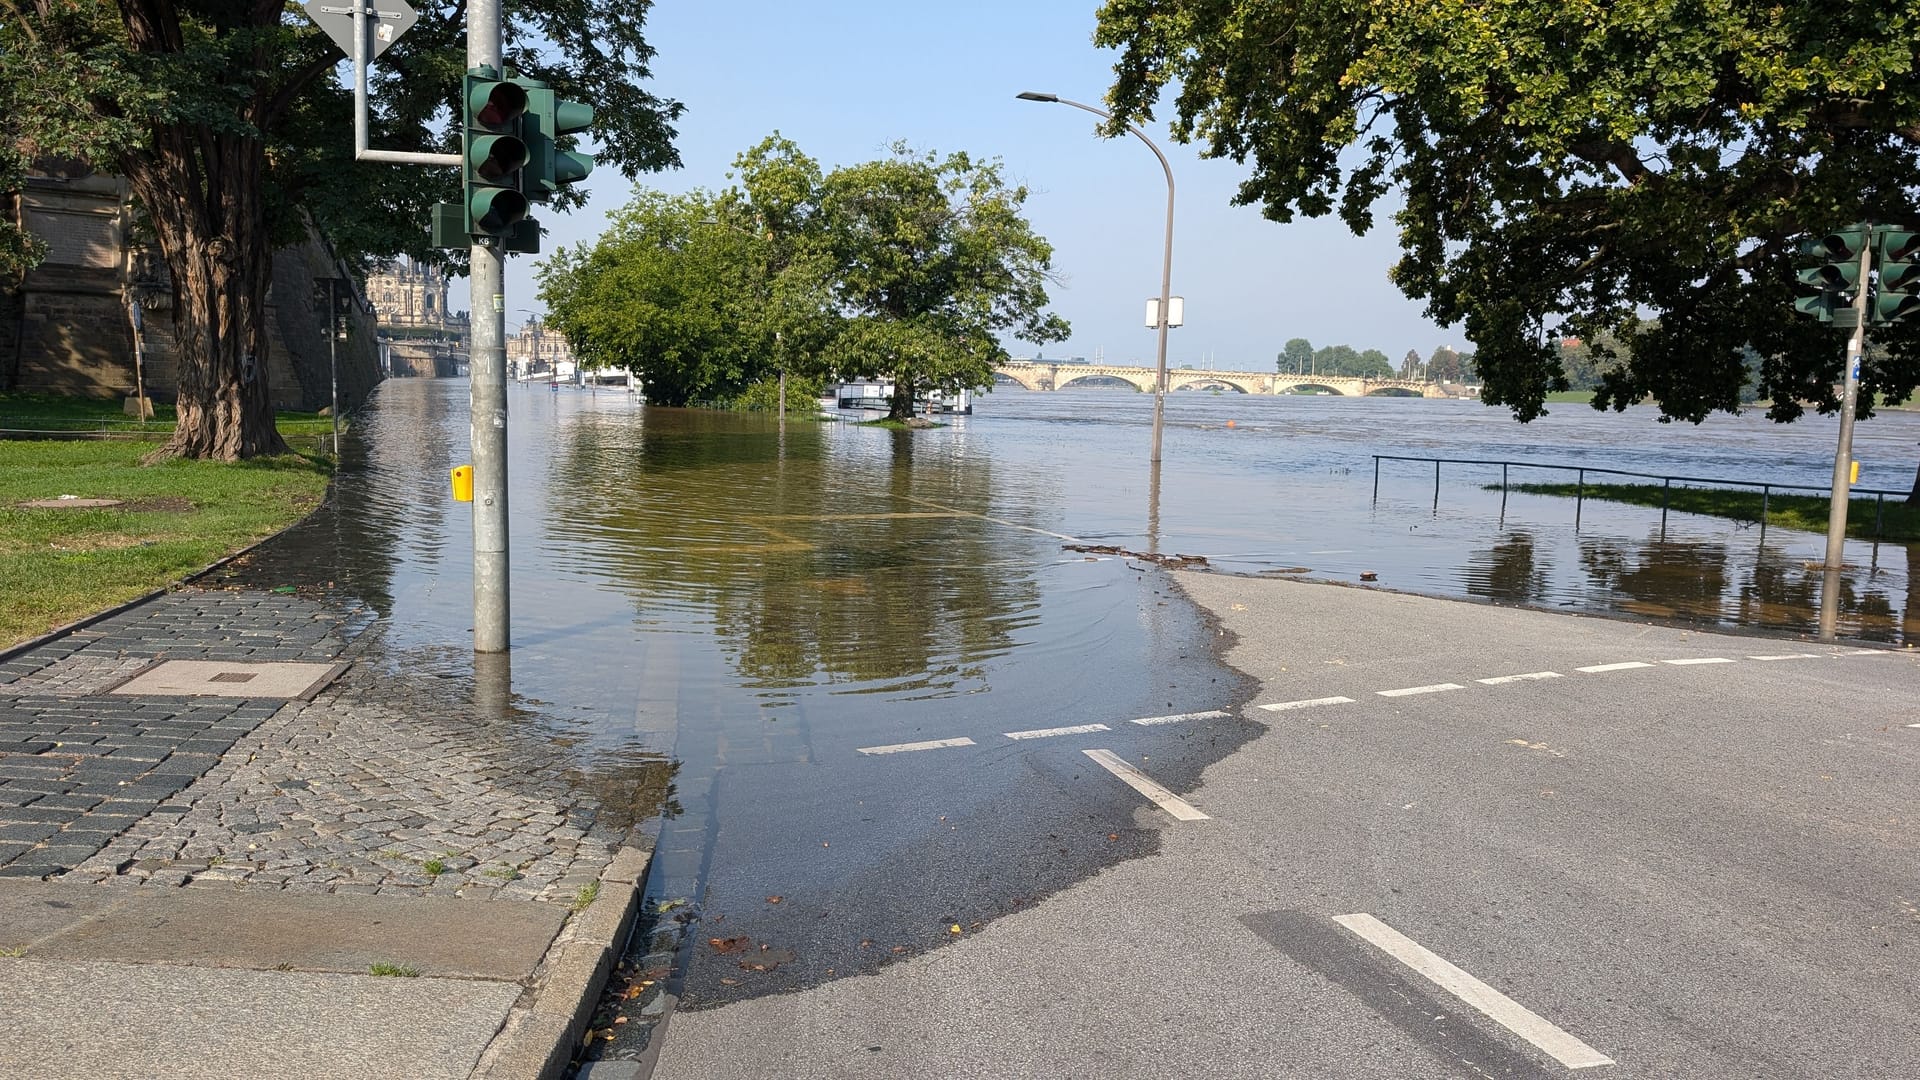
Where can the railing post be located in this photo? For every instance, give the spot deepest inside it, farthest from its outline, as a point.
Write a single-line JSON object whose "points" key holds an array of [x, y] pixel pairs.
{"points": [[1666, 499], [1879, 511], [1436, 485], [1376, 479], [1766, 502], [1579, 497]]}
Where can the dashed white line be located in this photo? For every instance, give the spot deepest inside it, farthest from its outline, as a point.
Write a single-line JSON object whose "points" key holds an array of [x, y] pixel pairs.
{"points": [[1047, 733], [1140, 782], [1528, 677], [905, 747], [1411, 690], [1178, 718], [1623, 666], [1788, 656], [1501, 1009], [1309, 703], [1866, 652], [1691, 660]]}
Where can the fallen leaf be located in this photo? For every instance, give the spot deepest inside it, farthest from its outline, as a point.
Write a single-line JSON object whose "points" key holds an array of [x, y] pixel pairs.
{"points": [[729, 982], [899, 948], [1113, 836], [954, 929], [775, 899], [866, 943], [619, 1020], [729, 945]]}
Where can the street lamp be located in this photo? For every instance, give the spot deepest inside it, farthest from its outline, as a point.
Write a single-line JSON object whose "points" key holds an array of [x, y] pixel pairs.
{"points": [[1166, 265]]}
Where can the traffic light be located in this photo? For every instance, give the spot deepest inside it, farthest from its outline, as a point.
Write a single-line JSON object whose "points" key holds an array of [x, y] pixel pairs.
{"points": [[1897, 294], [495, 153], [1819, 290], [548, 118]]}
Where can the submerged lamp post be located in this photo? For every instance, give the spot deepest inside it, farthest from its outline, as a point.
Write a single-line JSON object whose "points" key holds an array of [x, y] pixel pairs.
{"points": [[1165, 313]]}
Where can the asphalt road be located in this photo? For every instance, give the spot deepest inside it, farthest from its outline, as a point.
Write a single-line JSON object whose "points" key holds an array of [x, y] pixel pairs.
{"points": [[1685, 861]]}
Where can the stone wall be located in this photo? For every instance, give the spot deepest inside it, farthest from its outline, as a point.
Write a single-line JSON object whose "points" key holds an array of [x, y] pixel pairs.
{"points": [[65, 327]]}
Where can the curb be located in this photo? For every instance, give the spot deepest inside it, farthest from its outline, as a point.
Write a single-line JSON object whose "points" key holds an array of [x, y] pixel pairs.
{"points": [[537, 1043]]}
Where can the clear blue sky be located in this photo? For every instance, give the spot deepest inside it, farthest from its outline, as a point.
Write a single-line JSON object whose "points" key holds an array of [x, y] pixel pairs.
{"points": [[845, 79]]}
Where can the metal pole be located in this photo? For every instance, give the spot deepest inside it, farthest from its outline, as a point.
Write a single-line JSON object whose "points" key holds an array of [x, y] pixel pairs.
{"points": [[1436, 485], [1376, 479], [488, 386], [1579, 497], [333, 360], [360, 60], [1843, 455], [1166, 268]]}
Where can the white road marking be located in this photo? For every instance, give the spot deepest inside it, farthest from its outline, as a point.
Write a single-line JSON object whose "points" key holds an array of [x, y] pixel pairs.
{"points": [[1598, 668], [1500, 679], [1866, 652], [1498, 1007], [1049, 732], [1309, 703], [1434, 689], [1788, 656], [901, 748], [1140, 782], [1685, 661], [1913, 725], [1210, 714]]}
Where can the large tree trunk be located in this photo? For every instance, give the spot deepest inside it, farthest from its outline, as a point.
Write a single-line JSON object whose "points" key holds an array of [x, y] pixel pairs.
{"points": [[901, 406], [204, 191]]}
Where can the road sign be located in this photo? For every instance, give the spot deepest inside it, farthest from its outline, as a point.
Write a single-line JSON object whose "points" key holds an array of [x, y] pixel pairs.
{"points": [[386, 21]]}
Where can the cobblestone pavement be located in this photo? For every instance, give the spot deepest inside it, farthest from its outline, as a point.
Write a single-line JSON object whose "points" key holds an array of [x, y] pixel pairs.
{"points": [[385, 782]]}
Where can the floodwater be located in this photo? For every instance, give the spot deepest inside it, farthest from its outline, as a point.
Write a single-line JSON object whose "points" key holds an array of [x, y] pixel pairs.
{"points": [[714, 613], [804, 562]]}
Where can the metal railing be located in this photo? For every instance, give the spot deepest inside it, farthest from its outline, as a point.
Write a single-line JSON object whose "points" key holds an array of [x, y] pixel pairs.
{"points": [[1766, 488]]}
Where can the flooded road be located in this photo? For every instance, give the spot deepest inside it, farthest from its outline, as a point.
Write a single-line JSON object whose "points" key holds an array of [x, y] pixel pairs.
{"points": [[845, 648]]}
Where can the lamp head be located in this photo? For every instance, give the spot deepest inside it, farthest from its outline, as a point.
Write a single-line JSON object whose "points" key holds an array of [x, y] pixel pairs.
{"points": [[1031, 95]]}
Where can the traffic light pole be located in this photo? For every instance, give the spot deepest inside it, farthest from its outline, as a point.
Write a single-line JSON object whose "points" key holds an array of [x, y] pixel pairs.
{"points": [[1843, 456], [487, 382]]}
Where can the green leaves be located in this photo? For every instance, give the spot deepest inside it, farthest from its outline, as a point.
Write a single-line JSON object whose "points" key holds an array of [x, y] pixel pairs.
{"points": [[1568, 166], [909, 268]]}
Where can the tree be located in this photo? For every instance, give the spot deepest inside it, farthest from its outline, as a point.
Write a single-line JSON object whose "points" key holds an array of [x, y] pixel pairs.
{"points": [[1411, 366], [234, 132], [1336, 360], [1445, 365], [1373, 364], [666, 293], [1296, 357], [1570, 168], [931, 263]]}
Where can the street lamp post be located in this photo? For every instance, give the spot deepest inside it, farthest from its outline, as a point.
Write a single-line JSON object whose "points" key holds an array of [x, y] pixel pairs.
{"points": [[1166, 266]]}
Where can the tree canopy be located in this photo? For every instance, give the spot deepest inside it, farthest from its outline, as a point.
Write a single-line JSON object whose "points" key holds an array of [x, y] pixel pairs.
{"points": [[233, 126], [907, 269], [1641, 168]]}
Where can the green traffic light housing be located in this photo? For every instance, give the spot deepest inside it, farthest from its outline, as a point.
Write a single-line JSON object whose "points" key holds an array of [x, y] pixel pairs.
{"points": [[495, 156], [1897, 295], [548, 119]]}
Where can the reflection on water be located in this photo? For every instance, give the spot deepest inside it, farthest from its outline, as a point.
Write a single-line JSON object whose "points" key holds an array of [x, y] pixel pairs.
{"points": [[671, 562]]}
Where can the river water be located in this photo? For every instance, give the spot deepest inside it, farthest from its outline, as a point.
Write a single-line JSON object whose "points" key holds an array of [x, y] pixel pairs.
{"points": [[807, 558], [714, 613]]}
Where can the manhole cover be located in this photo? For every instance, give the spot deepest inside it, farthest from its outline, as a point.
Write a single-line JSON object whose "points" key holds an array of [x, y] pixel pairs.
{"points": [[231, 678]]}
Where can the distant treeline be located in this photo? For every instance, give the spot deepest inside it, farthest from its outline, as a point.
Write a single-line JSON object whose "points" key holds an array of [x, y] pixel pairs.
{"points": [[1299, 357]]}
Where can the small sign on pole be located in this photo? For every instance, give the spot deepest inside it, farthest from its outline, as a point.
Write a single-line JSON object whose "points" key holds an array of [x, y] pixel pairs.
{"points": [[1176, 305], [391, 19]]}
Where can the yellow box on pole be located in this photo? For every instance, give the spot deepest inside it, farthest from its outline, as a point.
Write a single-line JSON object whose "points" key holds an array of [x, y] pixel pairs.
{"points": [[1853, 475], [463, 483]]}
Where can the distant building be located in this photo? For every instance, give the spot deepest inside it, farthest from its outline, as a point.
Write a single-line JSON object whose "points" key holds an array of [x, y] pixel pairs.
{"points": [[420, 335], [409, 294], [534, 350]]}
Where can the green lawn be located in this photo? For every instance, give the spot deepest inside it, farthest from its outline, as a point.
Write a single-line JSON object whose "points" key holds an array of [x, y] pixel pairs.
{"points": [[1807, 513], [58, 565]]}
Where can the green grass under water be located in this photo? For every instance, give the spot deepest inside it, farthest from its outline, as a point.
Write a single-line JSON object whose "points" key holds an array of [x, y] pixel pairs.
{"points": [[1899, 522]]}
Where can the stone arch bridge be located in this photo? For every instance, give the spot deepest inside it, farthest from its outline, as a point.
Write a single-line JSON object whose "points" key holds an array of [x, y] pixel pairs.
{"points": [[1042, 375]]}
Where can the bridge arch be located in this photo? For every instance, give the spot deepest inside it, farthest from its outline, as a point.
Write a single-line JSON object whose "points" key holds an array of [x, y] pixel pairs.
{"points": [[1313, 388], [1244, 386], [1064, 380], [1393, 391], [1023, 379]]}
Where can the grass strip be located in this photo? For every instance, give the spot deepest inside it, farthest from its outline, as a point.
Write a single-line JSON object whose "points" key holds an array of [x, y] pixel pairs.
{"points": [[46, 412], [62, 564], [1806, 513]]}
